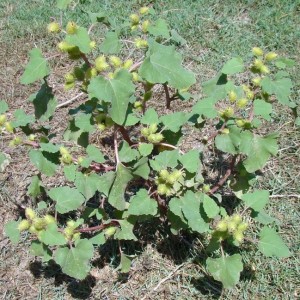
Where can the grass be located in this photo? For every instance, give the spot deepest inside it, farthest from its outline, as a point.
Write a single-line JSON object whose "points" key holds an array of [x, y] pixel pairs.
{"points": [[215, 31]]}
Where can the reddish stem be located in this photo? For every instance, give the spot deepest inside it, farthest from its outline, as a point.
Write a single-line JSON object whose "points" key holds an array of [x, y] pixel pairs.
{"points": [[227, 174], [86, 60], [98, 227], [216, 133], [168, 99], [125, 135]]}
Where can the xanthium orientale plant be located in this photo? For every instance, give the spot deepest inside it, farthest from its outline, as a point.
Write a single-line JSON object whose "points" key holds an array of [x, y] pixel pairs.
{"points": [[150, 176]]}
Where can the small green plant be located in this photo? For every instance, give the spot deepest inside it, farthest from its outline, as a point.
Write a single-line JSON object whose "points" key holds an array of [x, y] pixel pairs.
{"points": [[150, 174]]}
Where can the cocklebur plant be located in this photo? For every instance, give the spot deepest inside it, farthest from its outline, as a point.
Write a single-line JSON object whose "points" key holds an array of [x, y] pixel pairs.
{"points": [[170, 183]]}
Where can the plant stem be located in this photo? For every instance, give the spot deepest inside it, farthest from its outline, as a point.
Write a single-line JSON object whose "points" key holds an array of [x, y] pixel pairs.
{"points": [[227, 174], [125, 134], [168, 99], [98, 227]]}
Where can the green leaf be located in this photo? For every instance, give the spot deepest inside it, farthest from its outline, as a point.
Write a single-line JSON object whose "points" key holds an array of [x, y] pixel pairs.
{"points": [[215, 88], [39, 249], [205, 107], [73, 133], [117, 91], [226, 269], [11, 230], [99, 17], [125, 264], [42, 162], [44, 103], [3, 107], [163, 65], [37, 67], [83, 122], [67, 199], [63, 4], [145, 149], [35, 187], [87, 184], [105, 182], [210, 207], [99, 239], [141, 168], [283, 63], [80, 39], [177, 38], [233, 66], [126, 231], [111, 44], [160, 28], [229, 142], [176, 206], [52, 237], [262, 108], [164, 160], [126, 153], [142, 204], [256, 200], [259, 149], [271, 244], [75, 261], [49, 147], [281, 88], [262, 217], [150, 117], [70, 172], [191, 211], [21, 119], [94, 154], [174, 121], [116, 194], [191, 160]]}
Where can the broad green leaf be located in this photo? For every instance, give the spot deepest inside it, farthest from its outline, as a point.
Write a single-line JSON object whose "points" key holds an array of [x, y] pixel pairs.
{"points": [[67, 199], [141, 168], [256, 200], [210, 207], [116, 194], [52, 237], [43, 162], [297, 121], [160, 28], [111, 44], [205, 107], [126, 231], [3, 107], [37, 67], [99, 239], [177, 38], [175, 206], [75, 134], [191, 160], [163, 65], [36, 186], [99, 17], [87, 184], [126, 153], [70, 172], [83, 122], [226, 269], [233, 66], [283, 63], [75, 261], [164, 160], [11, 230], [262, 108], [63, 4], [49, 147], [94, 154], [215, 88], [145, 149], [105, 182], [229, 142], [21, 119], [117, 91], [150, 117], [39, 249], [44, 103], [191, 211], [271, 244], [259, 149], [80, 39], [281, 88], [174, 121], [125, 263], [142, 204], [262, 217]]}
